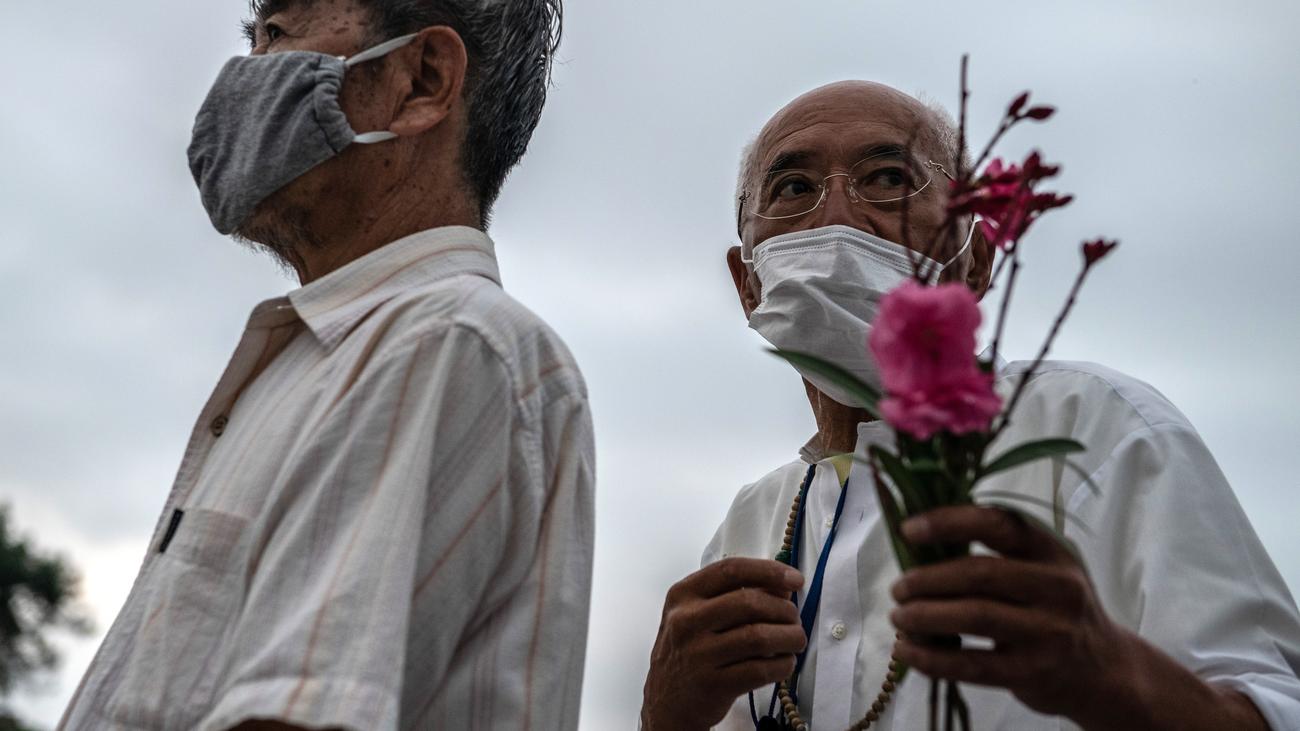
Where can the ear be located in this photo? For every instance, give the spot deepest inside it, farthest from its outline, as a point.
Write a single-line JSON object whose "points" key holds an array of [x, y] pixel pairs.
{"points": [[747, 286], [981, 266], [437, 77]]}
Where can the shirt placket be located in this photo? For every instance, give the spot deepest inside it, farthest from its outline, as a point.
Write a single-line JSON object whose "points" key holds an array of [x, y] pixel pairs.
{"points": [[838, 629], [214, 419]]}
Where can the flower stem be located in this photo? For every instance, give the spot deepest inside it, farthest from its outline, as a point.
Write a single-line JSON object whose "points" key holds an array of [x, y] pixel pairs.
{"points": [[1007, 124], [1006, 300], [1047, 346], [907, 229], [934, 704], [997, 271], [962, 172]]}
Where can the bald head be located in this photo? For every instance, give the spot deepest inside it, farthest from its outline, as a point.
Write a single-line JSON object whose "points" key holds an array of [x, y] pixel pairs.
{"points": [[853, 102]]}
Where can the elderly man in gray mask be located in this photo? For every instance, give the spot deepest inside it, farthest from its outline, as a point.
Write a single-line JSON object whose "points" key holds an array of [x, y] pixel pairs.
{"points": [[383, 518], [1179, 621]]}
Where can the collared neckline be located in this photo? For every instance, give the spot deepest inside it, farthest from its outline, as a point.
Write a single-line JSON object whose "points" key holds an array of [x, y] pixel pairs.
{"points": [[869, 433], [332, 305]]}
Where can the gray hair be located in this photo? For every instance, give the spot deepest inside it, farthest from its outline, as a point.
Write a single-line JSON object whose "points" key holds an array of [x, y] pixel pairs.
{"points": [[941, 130], [511, 46]]}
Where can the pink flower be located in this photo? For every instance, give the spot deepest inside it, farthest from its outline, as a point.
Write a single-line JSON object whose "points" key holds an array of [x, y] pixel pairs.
{"points": [[961, 408], [1004, 198], [924, 342]]}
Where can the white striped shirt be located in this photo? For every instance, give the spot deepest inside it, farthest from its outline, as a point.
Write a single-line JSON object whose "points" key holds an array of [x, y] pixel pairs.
{"points": [[383, 519]]}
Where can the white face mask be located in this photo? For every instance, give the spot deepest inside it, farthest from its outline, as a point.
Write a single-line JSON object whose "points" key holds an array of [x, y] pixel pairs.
{"points": [[821, 292]]}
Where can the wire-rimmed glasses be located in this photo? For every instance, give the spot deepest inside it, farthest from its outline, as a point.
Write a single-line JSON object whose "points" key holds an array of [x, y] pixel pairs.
{"points": [[884, 178]]}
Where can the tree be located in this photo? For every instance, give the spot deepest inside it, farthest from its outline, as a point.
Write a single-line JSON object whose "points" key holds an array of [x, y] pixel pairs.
{"points": [[37, 595]]}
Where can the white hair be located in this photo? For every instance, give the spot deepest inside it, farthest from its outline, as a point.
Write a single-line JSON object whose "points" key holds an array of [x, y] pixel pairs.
{"points": [[748, 161]]}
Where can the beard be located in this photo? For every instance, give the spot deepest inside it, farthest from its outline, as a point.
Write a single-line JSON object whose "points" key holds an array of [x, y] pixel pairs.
{"points": [[284, 232]]}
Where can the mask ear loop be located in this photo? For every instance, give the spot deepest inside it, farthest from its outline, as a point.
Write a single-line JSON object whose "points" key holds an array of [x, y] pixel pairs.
{"points": [[370, 138], [370, 54], [379, 51], [970, 236]]}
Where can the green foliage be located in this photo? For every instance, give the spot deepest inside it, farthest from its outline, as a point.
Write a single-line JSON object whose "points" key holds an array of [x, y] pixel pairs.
{"points": [[999, 498], [1030, 452], [893, 518], [10, 723], [36, 595]]}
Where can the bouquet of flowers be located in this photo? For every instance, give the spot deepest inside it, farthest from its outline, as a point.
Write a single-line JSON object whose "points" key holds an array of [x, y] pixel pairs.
{"points": [[939, 397]]}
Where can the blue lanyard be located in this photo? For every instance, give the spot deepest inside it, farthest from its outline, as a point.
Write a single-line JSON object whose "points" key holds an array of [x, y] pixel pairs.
{"points": [[814, 598], [808, 615]]}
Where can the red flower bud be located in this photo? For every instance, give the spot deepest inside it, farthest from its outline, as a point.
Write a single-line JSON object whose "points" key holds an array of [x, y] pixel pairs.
{"points": [[1095, 251], [1039, 113], [1018, 104]]}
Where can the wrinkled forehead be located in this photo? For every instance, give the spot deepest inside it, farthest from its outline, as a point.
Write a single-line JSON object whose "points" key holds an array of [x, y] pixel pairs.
{"points": [[263, 9], [835, 127]]}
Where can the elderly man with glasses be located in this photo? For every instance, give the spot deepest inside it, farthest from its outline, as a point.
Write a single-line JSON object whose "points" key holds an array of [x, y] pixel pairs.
{"points": [[1176, 617]]}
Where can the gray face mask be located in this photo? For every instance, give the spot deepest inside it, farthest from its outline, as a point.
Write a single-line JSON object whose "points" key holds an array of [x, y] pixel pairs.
{"points": [[268, 120]]}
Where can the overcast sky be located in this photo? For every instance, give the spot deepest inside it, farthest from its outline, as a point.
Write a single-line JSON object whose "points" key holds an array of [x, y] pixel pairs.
{"points": [[120, 306]]}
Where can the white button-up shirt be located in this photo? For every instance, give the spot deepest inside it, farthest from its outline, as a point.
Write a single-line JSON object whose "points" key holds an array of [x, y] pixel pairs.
{"points": [[1170, 551], [383, 519]]}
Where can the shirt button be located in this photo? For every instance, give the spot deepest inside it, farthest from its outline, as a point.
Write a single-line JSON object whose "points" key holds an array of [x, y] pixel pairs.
{"points": [[838, 631], [219, 425]]}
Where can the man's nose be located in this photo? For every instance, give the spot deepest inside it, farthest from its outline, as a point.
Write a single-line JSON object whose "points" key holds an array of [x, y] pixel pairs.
{"points": [[839, 204]]}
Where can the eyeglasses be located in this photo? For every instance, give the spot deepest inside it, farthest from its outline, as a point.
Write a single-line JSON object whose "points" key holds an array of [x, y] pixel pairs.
{"points": [[885, 178]]}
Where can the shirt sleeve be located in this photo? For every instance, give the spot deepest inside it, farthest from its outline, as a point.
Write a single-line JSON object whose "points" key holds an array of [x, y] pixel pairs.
{"points": [[1174, 557], [390, 544]]}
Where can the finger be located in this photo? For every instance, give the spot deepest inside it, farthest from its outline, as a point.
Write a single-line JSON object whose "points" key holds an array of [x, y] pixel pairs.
{"points": [[751, 642], [730, 574], [750, 675], [1004, 623], [996, 668], [742, 607], [1004, 579], [1000, 530]]}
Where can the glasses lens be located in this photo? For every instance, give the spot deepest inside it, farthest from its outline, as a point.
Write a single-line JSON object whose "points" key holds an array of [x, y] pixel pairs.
{"points": [[889, 177], [788, 193]]}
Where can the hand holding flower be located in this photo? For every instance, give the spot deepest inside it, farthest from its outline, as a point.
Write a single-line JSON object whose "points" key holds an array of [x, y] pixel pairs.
{"points": [[1056, 649]]}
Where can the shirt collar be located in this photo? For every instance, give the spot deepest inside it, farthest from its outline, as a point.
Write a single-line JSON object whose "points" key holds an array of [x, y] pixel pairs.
{"points": [[869, 433], [332, 305]]}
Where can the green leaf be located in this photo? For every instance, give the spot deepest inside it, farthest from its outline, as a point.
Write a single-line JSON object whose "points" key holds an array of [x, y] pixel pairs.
{"points": [[893, 520], [1006, 495], [914, 500], [1029, 452], [868, 397], [924, 465]]}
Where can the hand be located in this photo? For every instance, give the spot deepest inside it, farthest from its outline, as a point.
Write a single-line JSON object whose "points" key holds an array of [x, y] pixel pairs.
{"points": [[1056, 650], [727, 629]]}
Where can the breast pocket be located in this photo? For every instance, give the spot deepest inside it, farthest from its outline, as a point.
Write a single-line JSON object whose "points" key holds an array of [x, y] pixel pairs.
{"points": [[168, 672]]}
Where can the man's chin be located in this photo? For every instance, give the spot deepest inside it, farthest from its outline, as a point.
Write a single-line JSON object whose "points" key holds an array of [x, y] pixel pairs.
{"points": [[284, 233]]}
